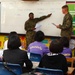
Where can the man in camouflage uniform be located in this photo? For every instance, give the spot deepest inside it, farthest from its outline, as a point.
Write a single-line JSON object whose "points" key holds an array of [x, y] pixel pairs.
{"points": [[30, 27], [66, 27]]}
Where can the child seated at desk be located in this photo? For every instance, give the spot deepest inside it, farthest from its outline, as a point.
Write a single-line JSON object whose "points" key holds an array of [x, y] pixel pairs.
{"points": [[15, 55], [66, 50], [37, 46], [54, 60], [5, 44]]}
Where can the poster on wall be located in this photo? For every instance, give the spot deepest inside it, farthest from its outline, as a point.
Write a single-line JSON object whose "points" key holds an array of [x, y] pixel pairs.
{"points": [[71, 5]]}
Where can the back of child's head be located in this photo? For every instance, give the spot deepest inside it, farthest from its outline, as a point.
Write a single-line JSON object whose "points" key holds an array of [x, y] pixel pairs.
{"points": [[64, 41], [56, 46], [14, 42], [12, 33], [39, 36]]}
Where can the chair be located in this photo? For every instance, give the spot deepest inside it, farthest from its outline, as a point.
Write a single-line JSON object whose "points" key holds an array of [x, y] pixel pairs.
{"points": [[47, 71], [35, 58], [71, 60], [16, 68]]}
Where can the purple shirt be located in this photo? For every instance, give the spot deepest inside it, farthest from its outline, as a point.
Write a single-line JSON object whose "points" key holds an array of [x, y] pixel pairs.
{"points": [[38, 48], [67, 52]]}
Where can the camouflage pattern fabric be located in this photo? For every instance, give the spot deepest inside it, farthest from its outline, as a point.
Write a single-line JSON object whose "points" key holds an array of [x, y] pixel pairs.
{"points": [[66, 27], [29, 27]]}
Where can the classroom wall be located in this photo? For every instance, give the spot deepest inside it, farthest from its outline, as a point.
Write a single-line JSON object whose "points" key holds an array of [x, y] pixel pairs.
{"points": [[9, 0], [10, 19], [20, 15], [21, 0], [3, 38]]}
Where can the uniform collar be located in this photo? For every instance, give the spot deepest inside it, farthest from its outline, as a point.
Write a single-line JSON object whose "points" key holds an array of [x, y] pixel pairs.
{"points": [[67, 13], [52, 54]]}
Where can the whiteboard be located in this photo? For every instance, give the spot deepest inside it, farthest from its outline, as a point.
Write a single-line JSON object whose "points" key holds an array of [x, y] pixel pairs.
{"points": [[14, 15]]}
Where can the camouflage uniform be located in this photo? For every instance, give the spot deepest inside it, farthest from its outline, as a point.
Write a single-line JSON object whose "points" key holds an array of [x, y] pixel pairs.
{"points": [[29, 27], [66, 27]]}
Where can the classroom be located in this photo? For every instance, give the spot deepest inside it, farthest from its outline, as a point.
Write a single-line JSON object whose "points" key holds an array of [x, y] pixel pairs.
{"points": [[29, 32]]}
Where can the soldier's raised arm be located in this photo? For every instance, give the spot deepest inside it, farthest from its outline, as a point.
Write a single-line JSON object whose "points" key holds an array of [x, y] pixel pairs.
{"points": [[42, 17]]}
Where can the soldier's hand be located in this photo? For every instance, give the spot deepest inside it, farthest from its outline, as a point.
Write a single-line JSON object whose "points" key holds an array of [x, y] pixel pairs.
{"points": [[34, 28], [57, 26], [49, 15]]}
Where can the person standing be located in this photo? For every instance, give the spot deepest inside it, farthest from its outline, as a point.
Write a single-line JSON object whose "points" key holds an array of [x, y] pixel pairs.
{"points": [[66, 27], [30, 27]]}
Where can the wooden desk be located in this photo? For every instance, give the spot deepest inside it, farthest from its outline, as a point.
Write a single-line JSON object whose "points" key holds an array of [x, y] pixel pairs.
{"points": [[70, 71], [73, 57]]}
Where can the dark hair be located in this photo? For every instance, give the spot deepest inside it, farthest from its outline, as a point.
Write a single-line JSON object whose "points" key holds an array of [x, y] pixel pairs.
{"points": [[64, 41], [12, 33], [31, 13], [65, 6], [56, 46], [14, 42], [39, 36]]}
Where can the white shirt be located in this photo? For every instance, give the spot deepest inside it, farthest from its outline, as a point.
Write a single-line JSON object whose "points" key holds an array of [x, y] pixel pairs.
{"points": [[5, 45]]}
